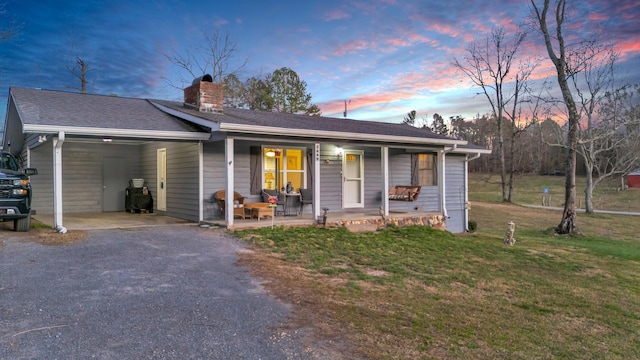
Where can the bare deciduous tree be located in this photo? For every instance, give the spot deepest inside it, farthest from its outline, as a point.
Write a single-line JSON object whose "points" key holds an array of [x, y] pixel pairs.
{"points": [[77, 64], [213, 57], [612, 147], [601, 132], [571, 59], [80, 69], [490, 66], [8, 31]]}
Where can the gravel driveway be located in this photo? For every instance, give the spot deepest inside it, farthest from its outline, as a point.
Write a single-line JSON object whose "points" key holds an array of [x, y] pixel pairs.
{"points": [[153, 293]]}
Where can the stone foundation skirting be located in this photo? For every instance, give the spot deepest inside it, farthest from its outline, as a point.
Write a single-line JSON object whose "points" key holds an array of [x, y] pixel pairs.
{"points": [[436, 221]]}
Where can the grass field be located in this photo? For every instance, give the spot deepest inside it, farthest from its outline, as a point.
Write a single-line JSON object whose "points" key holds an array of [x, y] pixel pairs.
{"points": [[418, 293], [529, 189]]}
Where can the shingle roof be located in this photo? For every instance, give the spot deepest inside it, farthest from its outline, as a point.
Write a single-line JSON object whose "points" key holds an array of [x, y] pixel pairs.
{"points": [[66, 109], [60, 108], [304, 122]]}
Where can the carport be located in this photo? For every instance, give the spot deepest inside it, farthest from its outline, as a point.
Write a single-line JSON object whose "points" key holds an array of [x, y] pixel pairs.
{"points": [[86, 153]]}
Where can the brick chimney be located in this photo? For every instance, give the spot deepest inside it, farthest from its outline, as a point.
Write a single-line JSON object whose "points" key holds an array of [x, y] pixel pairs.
{"points": [[204, 94]]}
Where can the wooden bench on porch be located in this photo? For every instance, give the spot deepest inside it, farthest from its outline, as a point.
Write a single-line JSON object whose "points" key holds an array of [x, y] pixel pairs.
{"points": [[404, 192]]}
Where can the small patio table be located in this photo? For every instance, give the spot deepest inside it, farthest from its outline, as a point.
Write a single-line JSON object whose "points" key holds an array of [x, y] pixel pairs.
{"points": [[290, 205]]}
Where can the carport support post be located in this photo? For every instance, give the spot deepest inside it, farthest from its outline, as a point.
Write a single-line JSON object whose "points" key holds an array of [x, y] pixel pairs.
{"points": [[228, 200], [384, 155], [316, 181], [201, 181], [441, 183], [57, 181]]}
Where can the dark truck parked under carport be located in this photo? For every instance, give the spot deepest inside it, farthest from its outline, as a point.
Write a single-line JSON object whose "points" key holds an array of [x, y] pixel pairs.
{"points": [[15, 193]]}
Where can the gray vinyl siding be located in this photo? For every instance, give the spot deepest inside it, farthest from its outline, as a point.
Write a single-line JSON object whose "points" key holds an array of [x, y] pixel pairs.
{"points": [[215, 177], [242, 173], [42, 184], [81, 174], [400, 174], [13, 126], [330, 180], [372, 179], [455, 191], [183, 198], [214, 170]]}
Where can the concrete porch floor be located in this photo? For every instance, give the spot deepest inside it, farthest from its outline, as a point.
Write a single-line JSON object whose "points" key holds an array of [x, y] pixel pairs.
{"points": [[110, 220]]}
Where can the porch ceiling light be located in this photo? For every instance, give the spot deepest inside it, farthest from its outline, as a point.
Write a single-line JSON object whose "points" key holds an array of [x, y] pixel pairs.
{"points": [[107, 140]]}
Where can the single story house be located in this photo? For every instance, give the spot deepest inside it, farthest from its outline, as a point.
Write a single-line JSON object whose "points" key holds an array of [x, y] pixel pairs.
{"points": [[86, 148]]}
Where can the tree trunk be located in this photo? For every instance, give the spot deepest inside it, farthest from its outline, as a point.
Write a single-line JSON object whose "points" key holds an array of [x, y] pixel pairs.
{"points": [[569, 223], [503, 171], [512, 156], [588, 190]]}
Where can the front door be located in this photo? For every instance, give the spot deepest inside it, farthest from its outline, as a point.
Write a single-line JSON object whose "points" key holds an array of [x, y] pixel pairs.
{"points": [[114, 183], [161, 186], [353, 179]]}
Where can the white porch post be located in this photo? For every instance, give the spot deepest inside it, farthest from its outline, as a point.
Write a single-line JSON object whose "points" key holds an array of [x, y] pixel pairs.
{"points": [[466, 194], [57, 182], [228, 201], [201, 181], [442, 186], [316, 180], [384, 154]]}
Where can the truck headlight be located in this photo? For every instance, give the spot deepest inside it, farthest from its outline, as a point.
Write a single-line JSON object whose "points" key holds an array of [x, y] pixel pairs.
{"points": [[19, 191], [20, 182]]}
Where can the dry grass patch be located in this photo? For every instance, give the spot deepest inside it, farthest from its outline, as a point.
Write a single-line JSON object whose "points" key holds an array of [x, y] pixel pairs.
{"points": [[43, 234], [53, 238]]}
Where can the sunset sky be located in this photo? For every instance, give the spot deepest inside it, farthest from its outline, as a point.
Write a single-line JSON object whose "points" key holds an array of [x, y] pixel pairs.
{"points": [[386, 57]]}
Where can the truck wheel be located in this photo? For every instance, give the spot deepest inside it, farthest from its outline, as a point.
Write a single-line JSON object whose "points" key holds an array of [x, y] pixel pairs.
{"points": [[22, 224]]}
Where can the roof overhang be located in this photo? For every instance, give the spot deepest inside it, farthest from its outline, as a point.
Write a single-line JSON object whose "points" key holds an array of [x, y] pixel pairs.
{"points": [[335, 135], [209, 124], [470, 151], [121, 133]]}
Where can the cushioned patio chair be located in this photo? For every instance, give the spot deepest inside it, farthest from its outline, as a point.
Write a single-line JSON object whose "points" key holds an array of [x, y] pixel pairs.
{"points": [[238, 203], [306, 198]]}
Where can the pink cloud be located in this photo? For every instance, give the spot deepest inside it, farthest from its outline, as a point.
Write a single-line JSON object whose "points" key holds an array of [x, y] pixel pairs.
{"points": [[351, 46], [411, 39], [598, 17], [631, 47], [359, 102], [336, 15], [449, 30]]}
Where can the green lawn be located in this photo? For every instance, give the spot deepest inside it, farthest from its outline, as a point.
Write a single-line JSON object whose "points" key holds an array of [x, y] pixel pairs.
{"points": [[529, 189], [415, 292]]}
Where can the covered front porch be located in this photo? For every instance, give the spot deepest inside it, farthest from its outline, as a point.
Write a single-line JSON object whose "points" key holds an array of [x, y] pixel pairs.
{"points": [[361, 220]]}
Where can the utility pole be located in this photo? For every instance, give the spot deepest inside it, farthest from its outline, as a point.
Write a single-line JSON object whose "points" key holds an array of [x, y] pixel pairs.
{"points": [[345, 108]]}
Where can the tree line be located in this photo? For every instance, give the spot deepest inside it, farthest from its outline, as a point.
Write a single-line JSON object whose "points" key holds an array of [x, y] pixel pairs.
{"points": [[586, 123]]}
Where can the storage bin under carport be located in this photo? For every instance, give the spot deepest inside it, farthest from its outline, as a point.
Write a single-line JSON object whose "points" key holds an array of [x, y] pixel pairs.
{"points": [[138, 197]]}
